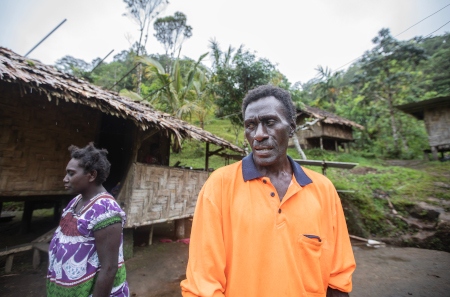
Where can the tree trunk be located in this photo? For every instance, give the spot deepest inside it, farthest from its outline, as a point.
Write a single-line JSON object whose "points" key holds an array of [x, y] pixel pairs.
{"points": [[298, 147], [393, 123]]}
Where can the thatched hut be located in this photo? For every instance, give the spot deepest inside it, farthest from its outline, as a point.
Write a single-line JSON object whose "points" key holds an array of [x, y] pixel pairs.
{"points": [[43, 111], [436, 115], [330, 132]]}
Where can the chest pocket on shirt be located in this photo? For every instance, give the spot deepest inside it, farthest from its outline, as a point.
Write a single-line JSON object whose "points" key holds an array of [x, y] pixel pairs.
{"points": [[310, 250]]}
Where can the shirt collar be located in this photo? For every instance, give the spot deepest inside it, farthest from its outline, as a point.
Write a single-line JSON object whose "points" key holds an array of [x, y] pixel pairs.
{"points": [[250, 172]]}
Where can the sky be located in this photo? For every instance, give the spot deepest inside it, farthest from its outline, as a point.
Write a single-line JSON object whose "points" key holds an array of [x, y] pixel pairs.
{"points": [[296, 35]]}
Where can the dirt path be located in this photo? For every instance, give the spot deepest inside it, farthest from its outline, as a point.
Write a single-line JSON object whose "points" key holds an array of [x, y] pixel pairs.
{"points": [[156, 271]]}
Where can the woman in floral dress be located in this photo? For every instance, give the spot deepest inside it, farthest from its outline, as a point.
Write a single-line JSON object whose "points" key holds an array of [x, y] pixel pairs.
{"points": [[86, 252]]}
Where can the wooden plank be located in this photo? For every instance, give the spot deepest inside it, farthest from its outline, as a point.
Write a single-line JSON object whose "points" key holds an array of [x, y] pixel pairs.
{"points": [[46, 237], [41, 246], [16, 249]]}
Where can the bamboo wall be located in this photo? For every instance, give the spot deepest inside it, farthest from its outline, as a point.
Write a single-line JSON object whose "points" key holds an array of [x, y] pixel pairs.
{"points": [[328, 130], [437, 123], [34, 136], [153, 194]]}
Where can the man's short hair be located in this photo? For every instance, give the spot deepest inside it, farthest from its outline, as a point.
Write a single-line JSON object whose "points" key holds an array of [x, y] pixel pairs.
{"points": [[267, 91], [91, 158]]}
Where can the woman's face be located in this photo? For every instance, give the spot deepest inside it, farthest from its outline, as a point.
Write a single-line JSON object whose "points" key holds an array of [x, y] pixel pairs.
{"points": [[76, 180]]}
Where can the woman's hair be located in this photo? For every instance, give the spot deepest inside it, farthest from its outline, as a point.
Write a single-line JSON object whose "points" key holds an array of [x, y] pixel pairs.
{"points": [[267, 91], [91, 158]]}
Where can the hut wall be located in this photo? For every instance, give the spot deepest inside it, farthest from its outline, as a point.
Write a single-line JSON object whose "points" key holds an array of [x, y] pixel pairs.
{"points": [[437, 123], [153, 194], [328, 130], [34, 136], [338, 132]]}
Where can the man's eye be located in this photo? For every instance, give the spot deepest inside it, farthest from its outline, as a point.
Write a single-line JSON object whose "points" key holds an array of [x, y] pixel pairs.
{"points": [[250, 126], [270, 122]]}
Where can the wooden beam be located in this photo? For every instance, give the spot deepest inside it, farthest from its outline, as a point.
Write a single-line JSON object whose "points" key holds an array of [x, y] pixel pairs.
{"points": [[329, 164], [216, 152]]}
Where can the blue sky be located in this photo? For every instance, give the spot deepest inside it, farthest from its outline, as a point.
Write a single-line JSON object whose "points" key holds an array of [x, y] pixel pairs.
{"points": [[296, 35]]}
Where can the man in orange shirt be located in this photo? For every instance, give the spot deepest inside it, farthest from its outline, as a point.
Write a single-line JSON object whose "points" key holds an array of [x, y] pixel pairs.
{"points": [[264, 226]]}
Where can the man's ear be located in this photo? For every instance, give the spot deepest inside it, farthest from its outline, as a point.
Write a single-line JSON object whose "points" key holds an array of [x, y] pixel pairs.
{"points": [[93, 176]]}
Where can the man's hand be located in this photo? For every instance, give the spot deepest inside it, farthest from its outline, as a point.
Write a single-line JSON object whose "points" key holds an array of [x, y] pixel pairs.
{"points": [[336, 293]]}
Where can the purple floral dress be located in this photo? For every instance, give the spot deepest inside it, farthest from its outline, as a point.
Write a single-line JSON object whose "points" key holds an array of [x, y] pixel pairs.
{"points": [[73, 259]]}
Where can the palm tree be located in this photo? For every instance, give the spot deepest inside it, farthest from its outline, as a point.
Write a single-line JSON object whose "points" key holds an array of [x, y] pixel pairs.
{"points": [[327, 89], [174, 94]]}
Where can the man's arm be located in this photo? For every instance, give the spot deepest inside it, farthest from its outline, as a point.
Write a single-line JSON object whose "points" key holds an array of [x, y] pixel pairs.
{"points": [[205, 272], [343, 261]]}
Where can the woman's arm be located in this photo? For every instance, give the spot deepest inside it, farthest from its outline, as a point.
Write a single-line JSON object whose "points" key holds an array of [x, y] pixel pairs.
{"points": [[107, 242]]}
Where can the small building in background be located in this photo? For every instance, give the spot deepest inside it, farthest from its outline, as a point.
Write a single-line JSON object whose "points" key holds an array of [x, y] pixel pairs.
{"points": [[330, 133], [435, 113]]}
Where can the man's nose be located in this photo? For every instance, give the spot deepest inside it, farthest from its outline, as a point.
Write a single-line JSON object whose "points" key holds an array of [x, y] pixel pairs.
{"points": [[260, 133], [65, 179]]}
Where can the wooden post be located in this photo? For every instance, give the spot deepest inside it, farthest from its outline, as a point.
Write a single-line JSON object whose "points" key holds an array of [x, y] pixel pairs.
{"points": [[321, 143], [57, 211], [128, 243], [180, 229], [324, 168], [150, 235], [36, 258], [336, 146], [26, 217], [9, 262], [435, 153], [207, 157]]}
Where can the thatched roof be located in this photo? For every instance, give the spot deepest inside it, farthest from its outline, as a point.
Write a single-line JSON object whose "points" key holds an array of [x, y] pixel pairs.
{"points": [[330, 118], [417, 109], [34, 76]]}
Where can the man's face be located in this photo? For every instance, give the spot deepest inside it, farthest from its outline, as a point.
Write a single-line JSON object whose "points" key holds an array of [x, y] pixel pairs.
{"points": [[267, 130], [76, 180]]}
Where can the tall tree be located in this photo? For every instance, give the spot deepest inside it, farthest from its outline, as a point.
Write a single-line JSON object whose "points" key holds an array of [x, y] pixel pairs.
{"points": [[387, 72], [143, 12], [74, 66], [438, 48], [172, 31], [326, 89], [237, 72]]}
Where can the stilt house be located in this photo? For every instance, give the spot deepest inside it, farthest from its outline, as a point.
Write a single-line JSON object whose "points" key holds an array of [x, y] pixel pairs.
{"points": [[436, 115], [329, 133], [43, 111]]}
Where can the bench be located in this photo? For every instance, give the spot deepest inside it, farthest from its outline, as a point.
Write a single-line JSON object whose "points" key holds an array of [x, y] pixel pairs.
{"points": [[10, 252], [39, 245]]}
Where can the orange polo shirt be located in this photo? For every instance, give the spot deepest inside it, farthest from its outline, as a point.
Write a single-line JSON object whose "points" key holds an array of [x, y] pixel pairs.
{"points": [[245, 242]]}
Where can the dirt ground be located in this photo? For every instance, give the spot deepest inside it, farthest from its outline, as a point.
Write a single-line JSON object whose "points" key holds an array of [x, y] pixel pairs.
{"points": [[156, 270]]}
